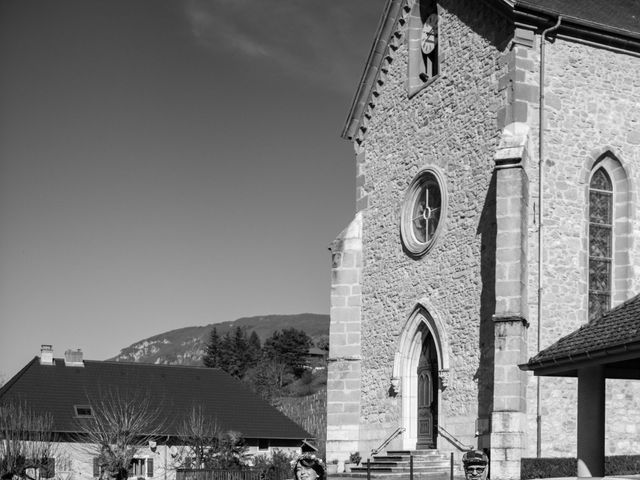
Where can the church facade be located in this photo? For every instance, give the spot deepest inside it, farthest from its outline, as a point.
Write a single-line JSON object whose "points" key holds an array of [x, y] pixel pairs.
{"points": [[467, 254]]}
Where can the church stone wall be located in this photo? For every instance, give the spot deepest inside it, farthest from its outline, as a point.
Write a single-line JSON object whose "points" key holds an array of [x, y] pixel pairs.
{"points": [[592, 97], [452, 125], [489, 78]]}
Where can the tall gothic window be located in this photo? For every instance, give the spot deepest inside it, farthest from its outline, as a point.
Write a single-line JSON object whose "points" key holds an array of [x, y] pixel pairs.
{"points": [[600, 243]]}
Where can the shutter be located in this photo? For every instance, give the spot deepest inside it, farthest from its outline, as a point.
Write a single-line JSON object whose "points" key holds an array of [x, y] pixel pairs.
{"points": [[149, 467], [96, 467]]}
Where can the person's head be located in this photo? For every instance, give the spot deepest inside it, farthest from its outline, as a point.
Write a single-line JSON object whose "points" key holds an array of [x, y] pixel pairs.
{"points": [[308, 467], [475, 464]]}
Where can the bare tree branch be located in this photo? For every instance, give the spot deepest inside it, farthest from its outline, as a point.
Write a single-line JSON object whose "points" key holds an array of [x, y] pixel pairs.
{"points": [[199, 434], [26, 440], [121, 425]]}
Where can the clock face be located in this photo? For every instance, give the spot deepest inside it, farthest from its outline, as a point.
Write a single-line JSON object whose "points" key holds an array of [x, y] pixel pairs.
{"points": [[429, 34]]}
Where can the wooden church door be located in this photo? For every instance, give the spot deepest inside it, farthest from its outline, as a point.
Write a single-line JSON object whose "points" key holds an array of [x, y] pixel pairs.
{"points": [[427, 399]]}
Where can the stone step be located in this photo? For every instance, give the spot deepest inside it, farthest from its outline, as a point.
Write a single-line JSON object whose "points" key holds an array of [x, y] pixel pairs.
{"points": [[396, 465], [406, 465], [406, 458], [401, 470], [431, 451], [393, 476]]}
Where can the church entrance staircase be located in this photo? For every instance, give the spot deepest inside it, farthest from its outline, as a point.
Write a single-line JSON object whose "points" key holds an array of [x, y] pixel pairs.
{"points": [[396, 465]]}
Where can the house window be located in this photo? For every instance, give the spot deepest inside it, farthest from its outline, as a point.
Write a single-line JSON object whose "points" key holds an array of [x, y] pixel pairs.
{"points": [[83, 411], [263, 444], [600, 243], [423, 33], [423, 212], [141, 467]]}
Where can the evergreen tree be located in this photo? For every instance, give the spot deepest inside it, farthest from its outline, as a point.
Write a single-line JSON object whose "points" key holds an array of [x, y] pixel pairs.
{"points": [[226, 354], [211, 357], [234, 356], [323, 343], [241, 354], [255, 349], [289, 346]]}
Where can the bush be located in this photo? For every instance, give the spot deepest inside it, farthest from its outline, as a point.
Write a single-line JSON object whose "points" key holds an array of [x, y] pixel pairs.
{"points": [[621, 464], [547, 468], [279, 460], [308, 384], [567, 467]]}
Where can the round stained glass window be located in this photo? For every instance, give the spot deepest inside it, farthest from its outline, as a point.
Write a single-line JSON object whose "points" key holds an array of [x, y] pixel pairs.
{"points": [[423, 212]]}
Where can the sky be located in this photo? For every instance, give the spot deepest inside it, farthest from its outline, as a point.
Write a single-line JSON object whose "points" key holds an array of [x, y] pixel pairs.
{"points": [[170, 163]]}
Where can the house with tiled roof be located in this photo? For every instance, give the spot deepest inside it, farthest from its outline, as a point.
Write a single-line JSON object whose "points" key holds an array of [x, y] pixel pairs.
{"points": [[65, 388], [497, 153]]}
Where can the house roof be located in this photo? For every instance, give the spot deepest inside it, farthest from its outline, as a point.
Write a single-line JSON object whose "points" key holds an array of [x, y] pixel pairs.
{"points": [[613, 339], [615, 23], [173, 390]]}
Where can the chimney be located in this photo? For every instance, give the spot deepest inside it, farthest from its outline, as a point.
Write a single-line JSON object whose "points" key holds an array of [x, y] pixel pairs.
{"points": [[73, 358], [46, 355]]}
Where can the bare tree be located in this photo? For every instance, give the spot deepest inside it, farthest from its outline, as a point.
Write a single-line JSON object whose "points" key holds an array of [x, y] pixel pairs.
{"points": [[205, 445], [120, 426], [268, 378], [199, 434], [26, 441]]}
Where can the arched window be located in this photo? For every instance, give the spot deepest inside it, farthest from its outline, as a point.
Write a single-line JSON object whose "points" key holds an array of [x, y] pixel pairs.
{"points": [[600, 243]]}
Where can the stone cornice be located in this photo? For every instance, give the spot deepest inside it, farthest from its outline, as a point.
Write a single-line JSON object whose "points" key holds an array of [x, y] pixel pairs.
{"points": [[511, 319]]}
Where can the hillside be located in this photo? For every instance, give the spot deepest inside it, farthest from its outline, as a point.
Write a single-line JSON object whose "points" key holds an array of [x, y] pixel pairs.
{"points": [[185, 346]]}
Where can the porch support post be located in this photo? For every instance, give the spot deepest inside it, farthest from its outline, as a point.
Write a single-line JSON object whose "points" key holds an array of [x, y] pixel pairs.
{"points": [[591, 411]]}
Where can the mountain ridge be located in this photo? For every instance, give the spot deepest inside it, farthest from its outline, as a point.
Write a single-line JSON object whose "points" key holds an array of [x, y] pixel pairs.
{"points": [[186, 345]]}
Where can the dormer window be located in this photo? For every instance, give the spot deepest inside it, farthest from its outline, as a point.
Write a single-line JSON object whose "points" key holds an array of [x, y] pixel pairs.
{"points": [[423, 45], [83, 411]]}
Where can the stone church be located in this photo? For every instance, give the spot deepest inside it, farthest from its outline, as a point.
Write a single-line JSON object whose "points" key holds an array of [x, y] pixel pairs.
{"points": [[497, 145]]}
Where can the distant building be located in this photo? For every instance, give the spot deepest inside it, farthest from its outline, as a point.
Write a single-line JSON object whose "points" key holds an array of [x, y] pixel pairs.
{"points": [[64, 387], [458, 267], [316, 358]]}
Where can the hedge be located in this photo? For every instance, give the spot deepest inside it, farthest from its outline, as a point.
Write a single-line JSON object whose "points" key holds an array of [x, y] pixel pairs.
{"points": [[567, 467]]}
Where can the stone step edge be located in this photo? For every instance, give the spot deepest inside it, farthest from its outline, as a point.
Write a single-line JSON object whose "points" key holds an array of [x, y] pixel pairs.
{"points": [[434, 468], [398, 458]]}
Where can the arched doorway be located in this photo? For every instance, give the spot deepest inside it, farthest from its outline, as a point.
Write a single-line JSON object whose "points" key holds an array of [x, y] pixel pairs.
{"points": [[421, 364], [427, 374]]}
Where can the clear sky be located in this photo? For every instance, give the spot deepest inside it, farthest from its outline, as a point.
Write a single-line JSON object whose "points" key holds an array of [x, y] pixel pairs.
{"points": [[167, 163]]}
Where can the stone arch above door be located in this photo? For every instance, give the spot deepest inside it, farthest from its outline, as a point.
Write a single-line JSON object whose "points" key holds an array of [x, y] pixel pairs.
{"points": [[422, 322]]}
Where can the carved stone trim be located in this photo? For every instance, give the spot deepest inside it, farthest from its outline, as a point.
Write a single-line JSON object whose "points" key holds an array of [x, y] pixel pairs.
{"points": [[443, 377], [394, 388]]}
